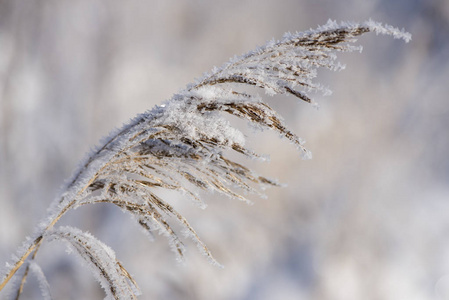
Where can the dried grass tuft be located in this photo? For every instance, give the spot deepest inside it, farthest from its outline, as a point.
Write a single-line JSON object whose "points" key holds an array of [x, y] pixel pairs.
{"points": [[182, 145]]}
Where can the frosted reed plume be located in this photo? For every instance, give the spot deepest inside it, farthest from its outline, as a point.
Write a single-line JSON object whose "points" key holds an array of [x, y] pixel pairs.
{"points": [[182, 145]]}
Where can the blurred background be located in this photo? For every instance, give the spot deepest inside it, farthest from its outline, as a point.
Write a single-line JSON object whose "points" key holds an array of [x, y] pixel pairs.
{"points": [[366, 218]]}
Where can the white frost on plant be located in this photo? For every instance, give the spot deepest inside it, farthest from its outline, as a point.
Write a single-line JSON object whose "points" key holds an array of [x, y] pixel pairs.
{"points": [[386, 29], [182, 145], [101, 259], [43, 283]]}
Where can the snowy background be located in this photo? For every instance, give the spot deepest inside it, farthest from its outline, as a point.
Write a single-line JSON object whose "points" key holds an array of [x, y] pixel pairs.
{"points": [[367, 218]]}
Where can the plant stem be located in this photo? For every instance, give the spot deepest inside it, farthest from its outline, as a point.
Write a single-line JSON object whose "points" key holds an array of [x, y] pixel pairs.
{"points": [[33, 247]]}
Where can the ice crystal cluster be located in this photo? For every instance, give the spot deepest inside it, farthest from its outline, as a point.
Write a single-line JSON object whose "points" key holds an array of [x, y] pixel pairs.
{"points": [[182, 145]]}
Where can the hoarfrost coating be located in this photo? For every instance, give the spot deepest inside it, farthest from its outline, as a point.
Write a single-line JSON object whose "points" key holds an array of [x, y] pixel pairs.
{"points": [[183, 146]]}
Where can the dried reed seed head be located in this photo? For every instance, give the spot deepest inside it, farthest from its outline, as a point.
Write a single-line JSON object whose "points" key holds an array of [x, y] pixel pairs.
{"points": [[180, 146]]}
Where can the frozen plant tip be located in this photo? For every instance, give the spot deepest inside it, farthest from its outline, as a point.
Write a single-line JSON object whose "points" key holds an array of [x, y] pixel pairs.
{"points": [[182, 145]]}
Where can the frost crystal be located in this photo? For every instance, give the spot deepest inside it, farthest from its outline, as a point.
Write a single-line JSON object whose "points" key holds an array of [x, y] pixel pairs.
{"points": [[114, 279], [183, 145], [43, 283]]}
